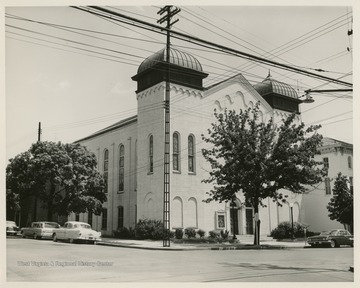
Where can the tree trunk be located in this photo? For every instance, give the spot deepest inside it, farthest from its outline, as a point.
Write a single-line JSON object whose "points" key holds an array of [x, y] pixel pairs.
{"points": [[35, 209], [257, 226], [50, 203]]}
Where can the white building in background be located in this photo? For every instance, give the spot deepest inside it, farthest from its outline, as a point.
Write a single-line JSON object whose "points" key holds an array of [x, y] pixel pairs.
{"points": [[130, 153], [338, 157]]}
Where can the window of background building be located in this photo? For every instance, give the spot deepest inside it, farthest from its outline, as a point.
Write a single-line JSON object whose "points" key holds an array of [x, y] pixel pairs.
{"points": [[121, 168], [176, 152], [351, 183], [120, 216], [350, 162], [106, 169], [327, 186], [104, 219], [326, 162], [191, 153], [90, 215], [77, 217], [151, 154]]}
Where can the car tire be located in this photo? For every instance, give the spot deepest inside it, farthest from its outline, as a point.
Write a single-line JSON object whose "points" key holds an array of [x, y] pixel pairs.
{"points": [[54, 237], [71, 240], [22, 235], [35, 236], [333, 244]]}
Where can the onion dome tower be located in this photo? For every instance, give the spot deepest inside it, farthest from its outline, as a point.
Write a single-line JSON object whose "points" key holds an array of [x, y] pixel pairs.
{"points": [[279, 95], [185, 70]]}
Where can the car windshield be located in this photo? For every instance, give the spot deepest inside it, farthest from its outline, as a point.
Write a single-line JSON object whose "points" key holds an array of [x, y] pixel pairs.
{"points": [[83, 225], [332, 232], [52, 225]]}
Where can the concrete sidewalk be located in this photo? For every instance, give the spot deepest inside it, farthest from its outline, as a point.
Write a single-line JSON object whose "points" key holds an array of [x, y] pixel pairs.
{"points": [[158, 245]]}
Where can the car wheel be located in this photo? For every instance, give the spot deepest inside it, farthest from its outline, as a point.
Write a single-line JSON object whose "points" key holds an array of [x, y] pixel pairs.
{"points": [[333, 244], [71, 240], [22, 235], [35, 236], [54, 237]]}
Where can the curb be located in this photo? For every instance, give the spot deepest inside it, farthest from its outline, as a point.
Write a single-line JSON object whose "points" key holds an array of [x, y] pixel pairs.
{"points": [[245, 247]]}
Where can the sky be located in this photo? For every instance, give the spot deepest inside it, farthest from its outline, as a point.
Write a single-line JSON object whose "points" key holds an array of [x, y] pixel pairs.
{"points": [[71, 70]]}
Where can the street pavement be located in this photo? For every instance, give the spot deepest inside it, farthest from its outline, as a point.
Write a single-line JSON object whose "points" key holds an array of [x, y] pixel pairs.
{"points": [[29, 260]]}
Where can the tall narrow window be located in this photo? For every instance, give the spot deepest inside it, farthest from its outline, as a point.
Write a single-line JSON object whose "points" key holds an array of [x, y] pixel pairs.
{"points": [[191, 154], [120, 216], [77, 217], [327, 186], [176, 152], [326, 162], [351, 183], [121, 168], [350, 162], [104, 219], [106, 169], [90, 216], [151, 154]]}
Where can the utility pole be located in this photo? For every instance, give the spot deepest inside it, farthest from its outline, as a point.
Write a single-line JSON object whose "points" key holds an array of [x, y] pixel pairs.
{"points": [[39, 132], [35, 199], [170, 12]]}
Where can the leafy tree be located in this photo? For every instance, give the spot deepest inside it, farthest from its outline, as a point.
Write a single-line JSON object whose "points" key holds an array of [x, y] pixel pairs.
{"points": [[341, 204], [12, 204], [258, 159], [62, 176]]}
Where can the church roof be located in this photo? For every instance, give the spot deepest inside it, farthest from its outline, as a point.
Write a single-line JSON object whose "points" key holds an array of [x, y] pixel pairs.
{"points": [[177, 57], [269, 86], [117, 125]]}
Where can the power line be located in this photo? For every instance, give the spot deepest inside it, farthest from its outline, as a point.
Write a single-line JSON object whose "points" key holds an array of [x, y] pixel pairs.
{"points": [[185, 37]]}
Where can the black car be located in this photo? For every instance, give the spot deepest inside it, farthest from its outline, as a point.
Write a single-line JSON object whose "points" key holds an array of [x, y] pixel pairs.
{"points": [[332, 238]]}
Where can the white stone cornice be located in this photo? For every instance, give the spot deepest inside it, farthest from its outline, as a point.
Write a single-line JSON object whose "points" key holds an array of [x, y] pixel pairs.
{"points": [[173, 87]]}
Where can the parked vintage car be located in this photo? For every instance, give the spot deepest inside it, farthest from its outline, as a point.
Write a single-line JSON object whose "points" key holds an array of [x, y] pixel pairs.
{"points": [[11, 228], [332, 238], [76, 231], [39, 230]]}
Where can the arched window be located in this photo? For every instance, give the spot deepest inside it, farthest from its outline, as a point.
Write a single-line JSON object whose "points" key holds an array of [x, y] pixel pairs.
{"points": [[177, 213], [176, 152], [349, 162], [106, 169], [191, 153], [151, 154], [192, 217], [121, 167]]}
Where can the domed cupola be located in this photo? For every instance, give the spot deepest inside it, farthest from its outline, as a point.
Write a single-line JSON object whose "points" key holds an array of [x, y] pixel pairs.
{"points": [[185, 70], [278, 94]]}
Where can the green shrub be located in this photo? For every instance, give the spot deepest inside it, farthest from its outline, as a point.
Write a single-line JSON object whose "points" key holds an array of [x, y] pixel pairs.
{"points": [[284, 229], [179, 233], [214, 234], [201, 233], [190, 232], [149, 229], [224, 234], [124, 233]]}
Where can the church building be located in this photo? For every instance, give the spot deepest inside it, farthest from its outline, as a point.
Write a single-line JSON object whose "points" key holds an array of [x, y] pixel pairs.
{"points": [[130, 153]]}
